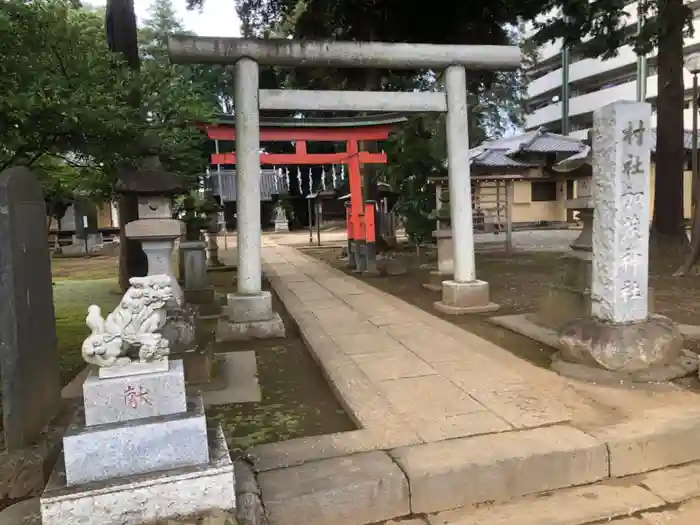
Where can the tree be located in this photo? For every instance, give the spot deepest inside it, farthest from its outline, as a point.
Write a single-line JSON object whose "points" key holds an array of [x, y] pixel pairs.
{"points": [[61, 92], [665, 23], [68, 107]]}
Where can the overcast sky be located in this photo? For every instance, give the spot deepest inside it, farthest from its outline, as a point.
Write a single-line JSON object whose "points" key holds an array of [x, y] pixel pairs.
{"points": [[218, 18]]}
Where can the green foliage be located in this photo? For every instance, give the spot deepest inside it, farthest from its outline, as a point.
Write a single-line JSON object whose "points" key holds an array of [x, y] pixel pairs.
{"points": [[604, 24], [65, 107], [414, 155], [61, 90], [598, 29]]}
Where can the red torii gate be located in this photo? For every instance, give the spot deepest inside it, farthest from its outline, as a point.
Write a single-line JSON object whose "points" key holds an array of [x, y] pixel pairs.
{"points": [[360, 216]]}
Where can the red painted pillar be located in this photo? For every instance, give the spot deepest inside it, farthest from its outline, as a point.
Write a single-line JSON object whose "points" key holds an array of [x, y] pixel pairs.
{"points": [[350, 234], [356, 205], [371, 241]]}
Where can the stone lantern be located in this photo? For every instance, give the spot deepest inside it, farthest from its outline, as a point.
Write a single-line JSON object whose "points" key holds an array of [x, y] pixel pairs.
{"points": [[157, 232]]}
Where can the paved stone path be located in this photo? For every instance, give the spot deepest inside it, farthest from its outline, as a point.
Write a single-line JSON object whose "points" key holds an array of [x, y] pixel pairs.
{"points": [[438, 379], [525, 240]]}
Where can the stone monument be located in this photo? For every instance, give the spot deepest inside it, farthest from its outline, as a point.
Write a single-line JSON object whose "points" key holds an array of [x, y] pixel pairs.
{"points": [[139, 448], [443, 237], [198, 291], [620, 339], [31, 387], [281, 222]]}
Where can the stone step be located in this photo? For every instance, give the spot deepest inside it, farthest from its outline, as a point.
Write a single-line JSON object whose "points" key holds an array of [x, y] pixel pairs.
{"points": [[151, 444], [357, 489], [498, 467], [668, 496], [577, 506]]}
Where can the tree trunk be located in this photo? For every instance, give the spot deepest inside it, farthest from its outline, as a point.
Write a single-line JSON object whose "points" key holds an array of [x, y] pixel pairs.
{"points": [[668, 229], [132, 259], [122, 37]]}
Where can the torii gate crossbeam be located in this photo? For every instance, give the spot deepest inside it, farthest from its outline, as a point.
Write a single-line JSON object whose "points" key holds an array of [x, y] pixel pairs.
{"points": [[463, 294]]}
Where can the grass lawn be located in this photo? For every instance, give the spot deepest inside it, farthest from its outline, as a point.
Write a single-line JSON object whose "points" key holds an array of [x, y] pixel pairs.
{"points": [[78, 283], [296, 402]]}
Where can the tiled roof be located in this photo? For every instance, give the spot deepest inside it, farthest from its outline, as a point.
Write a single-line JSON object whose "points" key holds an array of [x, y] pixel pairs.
{"points": [[496, 158], [503, 152]]}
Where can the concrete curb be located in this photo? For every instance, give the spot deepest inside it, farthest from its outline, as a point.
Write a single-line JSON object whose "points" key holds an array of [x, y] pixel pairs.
{"points": [[440, 475]]}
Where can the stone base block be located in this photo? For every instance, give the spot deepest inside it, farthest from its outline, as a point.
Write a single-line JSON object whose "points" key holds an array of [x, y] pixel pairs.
{"points": [[123, 449], [436, 278], [249, 308], [561, 304], [145, 497], [632, 348], [130, 397], [199, 365], [465, 298], [200, 295], [228, 330]]}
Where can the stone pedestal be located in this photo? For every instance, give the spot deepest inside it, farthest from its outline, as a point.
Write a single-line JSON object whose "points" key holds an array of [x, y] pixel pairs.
{"points": [[445, 260], [465, 298], [445, 252], [281, 222], [213, 260], [137, 451], [249, 317], [194, 273]]}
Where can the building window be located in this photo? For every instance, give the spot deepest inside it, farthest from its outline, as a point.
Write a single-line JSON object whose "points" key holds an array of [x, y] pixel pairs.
{"points": [[543, 191]]}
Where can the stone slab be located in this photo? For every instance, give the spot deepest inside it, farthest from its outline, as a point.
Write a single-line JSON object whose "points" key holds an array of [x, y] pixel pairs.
{"points": [[675, 484], [521, 324], [133, 369], [523, 407], [31, 386], [690, 331], [228, 330], [147, 445], [133, 397], [657, 439], [352, 490], [467, 471], [566, 507], [200, 295], [686, 514], [240, 371], [145, 497]]}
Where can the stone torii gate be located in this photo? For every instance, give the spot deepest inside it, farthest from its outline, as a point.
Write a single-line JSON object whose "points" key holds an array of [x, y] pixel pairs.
{"points": [[463, 294]]}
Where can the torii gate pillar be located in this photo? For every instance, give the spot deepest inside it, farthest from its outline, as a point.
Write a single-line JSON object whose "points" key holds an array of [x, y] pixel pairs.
{"points": [[249, 313]]}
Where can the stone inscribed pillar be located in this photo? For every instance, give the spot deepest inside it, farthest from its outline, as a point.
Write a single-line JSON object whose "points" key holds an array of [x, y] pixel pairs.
{"points": [[621, 213], [31, 386], [620, 340]]}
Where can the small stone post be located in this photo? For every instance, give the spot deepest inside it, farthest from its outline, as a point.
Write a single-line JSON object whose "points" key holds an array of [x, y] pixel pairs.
{"points": [[249, 314], [465, 294], [620, 337]]}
